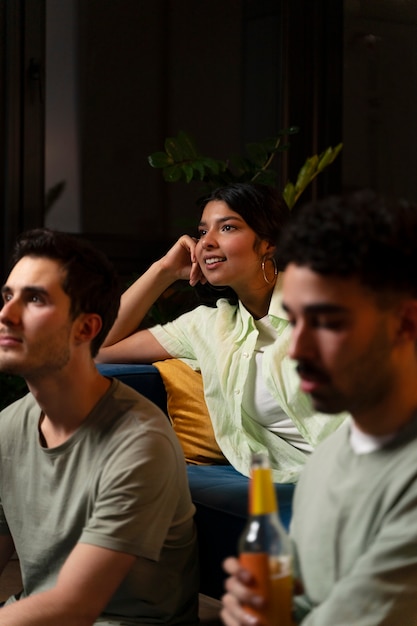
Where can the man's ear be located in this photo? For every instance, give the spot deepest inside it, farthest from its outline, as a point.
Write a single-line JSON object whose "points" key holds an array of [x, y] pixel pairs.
{"points": [[407, 329], [87, 326]]}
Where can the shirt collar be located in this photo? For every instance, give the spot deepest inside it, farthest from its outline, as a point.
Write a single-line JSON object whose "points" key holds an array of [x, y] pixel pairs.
{"points": [[275, 312], [275, 307]]}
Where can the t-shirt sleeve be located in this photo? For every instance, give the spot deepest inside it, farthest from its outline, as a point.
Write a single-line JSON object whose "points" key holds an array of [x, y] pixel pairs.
{"points": [[174, 337], [136, 496]]}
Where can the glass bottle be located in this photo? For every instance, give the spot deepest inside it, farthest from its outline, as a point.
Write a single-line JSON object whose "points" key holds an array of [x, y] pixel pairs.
{"points": [[265, 548]]}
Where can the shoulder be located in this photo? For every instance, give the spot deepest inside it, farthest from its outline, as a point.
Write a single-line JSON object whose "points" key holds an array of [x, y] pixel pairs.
{"points": [[204, 312], [134, 437], [202, 318], [121, 402], [328, 451], [18, 424], [125, 415]]}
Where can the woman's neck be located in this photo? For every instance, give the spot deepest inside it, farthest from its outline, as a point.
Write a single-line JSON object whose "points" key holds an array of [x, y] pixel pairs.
{"points": [[257, 303]]}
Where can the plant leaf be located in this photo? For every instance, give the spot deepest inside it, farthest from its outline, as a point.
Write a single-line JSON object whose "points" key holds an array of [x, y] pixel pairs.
{"points": [[173, 149], [172, 174], [289, 194], [306, 173], [213, 165], [188, 172], [199, 169], [159, 159], [328, 156], [291, 130]]}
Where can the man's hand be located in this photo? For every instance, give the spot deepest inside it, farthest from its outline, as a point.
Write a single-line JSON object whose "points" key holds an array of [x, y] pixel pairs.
{"points": [[239, 593]]}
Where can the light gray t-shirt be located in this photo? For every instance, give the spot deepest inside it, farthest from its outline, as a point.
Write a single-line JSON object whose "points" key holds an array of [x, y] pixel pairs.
{"points": [[355, 530], [119, 482]]}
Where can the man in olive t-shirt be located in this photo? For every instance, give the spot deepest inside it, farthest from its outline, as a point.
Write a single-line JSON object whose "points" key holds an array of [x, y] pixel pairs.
{"points": [[93, 487]]}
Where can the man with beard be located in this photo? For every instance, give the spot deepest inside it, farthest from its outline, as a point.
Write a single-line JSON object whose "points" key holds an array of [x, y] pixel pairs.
{"points": [[93, 490], [350, 292]]}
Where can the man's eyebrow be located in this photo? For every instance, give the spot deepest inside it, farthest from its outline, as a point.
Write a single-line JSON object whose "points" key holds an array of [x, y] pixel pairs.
{"points": [[319, 307], [29, 289]]}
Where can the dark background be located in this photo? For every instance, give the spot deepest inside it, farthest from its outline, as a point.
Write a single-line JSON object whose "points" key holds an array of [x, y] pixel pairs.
{"points": [[102, 83]]}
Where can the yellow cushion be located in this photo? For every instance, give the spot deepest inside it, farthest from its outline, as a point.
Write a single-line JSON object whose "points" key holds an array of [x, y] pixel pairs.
{"points": [[188, 412]]}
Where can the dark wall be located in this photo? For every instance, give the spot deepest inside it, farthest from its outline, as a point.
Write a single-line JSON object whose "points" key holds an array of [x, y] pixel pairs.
{"points": [[226, 72], [147, 71]]}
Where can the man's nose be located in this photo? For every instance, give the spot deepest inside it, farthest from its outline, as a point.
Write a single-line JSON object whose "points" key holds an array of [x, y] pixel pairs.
{"points": [[300, 345], [10, 312]]}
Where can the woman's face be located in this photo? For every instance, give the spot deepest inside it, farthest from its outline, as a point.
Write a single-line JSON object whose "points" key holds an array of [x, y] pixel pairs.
{"points": [[229, 251]]}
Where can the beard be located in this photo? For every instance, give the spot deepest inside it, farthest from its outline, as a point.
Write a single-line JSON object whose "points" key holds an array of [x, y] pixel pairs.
{"points": [[38, 359]]}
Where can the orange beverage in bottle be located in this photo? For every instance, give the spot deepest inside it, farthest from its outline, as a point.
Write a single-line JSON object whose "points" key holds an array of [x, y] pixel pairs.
{"points": [[272, 582], [265, 549], [281, 591], [257, 563]]}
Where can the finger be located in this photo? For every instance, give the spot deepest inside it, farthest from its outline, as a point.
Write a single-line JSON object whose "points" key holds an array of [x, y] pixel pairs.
{"points": [[233, 614], [231, 565], [242, 592], [187, 242], [196, 275]]}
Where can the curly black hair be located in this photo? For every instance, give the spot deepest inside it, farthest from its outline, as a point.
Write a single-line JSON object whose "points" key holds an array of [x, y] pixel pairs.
{"points": [[362, 234]]}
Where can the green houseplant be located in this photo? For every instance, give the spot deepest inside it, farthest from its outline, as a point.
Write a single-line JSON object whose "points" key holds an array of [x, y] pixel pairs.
{"points": [[181, 161]]}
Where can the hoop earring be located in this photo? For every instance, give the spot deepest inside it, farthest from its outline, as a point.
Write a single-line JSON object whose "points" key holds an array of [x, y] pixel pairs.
{"points": [[274, 263]]}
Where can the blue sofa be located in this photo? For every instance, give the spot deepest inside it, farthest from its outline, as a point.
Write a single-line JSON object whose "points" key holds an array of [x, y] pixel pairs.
{"points": [[219, 492]]}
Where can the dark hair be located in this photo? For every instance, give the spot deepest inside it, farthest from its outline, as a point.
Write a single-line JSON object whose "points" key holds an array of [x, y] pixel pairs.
{"points": [[361, 234], [262, 208], [90, 280]]}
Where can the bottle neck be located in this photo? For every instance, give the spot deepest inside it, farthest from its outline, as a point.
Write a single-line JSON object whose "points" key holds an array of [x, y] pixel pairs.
{"points": [[262, 497]]}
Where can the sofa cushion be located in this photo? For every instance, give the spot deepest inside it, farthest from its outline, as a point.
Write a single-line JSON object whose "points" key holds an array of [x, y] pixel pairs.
{"points": [[188, 412]]}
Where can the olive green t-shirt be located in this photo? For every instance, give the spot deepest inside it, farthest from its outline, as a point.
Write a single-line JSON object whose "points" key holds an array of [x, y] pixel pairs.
{"points": [[120, 483]]}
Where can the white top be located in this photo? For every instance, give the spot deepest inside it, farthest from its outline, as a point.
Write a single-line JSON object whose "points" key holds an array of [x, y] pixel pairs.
{"points": [[258, 402], [362, 443]]}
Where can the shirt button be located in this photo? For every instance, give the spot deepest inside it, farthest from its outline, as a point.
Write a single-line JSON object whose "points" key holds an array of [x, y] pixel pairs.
{"points": [[245, 355], [237, 392]]}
